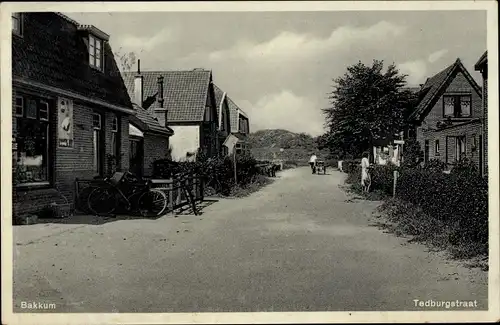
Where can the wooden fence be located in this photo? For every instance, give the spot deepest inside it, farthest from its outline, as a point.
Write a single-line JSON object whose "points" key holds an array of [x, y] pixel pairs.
{"points": [[172, 188]]}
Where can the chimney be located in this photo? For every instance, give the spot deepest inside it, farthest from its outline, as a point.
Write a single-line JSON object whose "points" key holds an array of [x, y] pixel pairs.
{"points": [[138, 85], [160, 91]]}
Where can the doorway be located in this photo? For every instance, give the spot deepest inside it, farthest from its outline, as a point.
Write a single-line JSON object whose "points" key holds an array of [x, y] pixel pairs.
{"points": [[136, 156]]}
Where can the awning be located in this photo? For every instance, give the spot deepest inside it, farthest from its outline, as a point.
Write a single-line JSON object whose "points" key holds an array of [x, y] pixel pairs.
{"points": [[134, 131]]}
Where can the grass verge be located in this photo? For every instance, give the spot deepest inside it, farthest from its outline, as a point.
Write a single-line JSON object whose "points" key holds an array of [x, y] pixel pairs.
{"points": [[405, 219]]}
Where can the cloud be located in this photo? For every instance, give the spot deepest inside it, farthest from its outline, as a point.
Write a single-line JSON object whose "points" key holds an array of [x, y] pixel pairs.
{"points": [[416, 71], [284, 110], [141, 43], [289, 45], [433, 57]]}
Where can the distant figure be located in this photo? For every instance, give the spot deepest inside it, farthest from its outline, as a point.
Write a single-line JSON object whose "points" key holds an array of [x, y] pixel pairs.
{"points": [[312, 162], [365, 177], [339, 165]]}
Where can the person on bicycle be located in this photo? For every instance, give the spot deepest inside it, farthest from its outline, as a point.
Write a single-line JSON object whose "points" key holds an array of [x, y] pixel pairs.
{"points": [[365, 177], [312, 162]]}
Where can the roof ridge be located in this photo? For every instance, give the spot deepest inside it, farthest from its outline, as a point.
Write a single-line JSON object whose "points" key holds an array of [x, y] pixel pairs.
{"points": [[72, 21]]}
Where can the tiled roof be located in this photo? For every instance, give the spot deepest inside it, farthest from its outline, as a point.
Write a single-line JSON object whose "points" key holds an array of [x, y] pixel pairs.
{"points": [[184, 92], [53, 52], [434, 85], [150, 123], [482, 60]]}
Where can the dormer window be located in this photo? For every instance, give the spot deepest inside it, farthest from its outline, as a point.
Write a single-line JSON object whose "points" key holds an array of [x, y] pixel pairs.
{"points": [[95, 52], [17, 23]]}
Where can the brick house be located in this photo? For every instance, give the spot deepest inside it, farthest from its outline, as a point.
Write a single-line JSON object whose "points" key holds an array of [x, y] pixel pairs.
{"points": [[186, 105], [70, 108], [482, 66], [447, 119], [149, 141], [224, 119], [240, 128]]}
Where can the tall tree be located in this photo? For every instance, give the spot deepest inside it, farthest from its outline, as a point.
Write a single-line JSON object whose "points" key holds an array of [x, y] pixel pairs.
{"points": [[366, 104]]}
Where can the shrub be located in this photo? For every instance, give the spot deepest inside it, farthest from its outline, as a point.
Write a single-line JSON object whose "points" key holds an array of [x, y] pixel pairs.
{"points": [[458, 199], [351, 165], [220, 169], [412, 154], [435, 165]]}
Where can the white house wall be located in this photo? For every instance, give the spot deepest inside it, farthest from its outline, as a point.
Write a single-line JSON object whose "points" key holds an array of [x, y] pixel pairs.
{"points": [[185, 139]]}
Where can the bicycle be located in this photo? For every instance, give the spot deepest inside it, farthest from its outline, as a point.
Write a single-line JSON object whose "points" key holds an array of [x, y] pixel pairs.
{"points": [[125, 188]]}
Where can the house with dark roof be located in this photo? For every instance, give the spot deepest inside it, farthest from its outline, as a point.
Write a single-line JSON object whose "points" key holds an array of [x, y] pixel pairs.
{"points": [[447, 119], [482, 66], [224, 126], [149, 141], [240, 128], [185, 103], [70, 108]]}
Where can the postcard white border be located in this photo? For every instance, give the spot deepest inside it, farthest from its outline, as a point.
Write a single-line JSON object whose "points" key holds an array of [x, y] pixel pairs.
{"points": [[8, 317]]}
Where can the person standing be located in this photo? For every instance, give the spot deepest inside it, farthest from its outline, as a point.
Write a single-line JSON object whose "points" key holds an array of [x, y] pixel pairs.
{"points": [[365, 177], [312, 162]]}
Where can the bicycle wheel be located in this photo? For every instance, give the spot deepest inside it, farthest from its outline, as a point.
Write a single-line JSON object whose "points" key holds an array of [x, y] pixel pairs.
{"points": [[152, 203], [102, 201]]}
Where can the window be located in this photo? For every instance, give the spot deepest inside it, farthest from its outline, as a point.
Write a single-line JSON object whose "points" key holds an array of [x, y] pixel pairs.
{"points": [[457, 105], [474, 143], [19, 106], [115, 138], [17, 23], [436, 148], [97, 141], [43, 111], [32, 142], [95, 52], [459, 147]]}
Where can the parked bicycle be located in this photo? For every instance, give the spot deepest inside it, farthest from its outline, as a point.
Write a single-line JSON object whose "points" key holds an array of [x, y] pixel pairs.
{"points": [[125, 190]]}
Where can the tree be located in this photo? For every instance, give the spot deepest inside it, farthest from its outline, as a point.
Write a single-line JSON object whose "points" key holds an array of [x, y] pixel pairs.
{"points": [[366, 104], [125, 60]]}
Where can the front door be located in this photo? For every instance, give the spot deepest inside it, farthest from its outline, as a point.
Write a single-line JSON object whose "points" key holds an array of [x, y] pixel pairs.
{"points": [[136, 156]]}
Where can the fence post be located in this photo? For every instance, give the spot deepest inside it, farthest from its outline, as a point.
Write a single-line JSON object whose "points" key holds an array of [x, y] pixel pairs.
{"points": [[179, 191], [394, 183], [171, 195]]}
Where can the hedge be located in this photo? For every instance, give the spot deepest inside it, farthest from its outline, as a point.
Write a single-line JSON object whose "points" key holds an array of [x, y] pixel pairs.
{"points": [[460, 198], [219, 168]]}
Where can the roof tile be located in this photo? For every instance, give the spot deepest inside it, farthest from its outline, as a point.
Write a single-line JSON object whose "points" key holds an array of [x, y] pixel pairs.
{"points": [[185, 92]]}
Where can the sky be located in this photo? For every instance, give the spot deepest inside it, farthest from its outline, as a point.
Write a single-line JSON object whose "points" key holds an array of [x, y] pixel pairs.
{"points": [[279, 66]]}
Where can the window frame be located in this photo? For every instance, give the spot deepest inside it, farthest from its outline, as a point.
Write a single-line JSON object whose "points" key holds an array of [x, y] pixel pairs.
{"points": [[457, 105], [48, 134], [16, 106], [19, 17], [92, 52], [98, 145], [458, 147], [48, 111]]}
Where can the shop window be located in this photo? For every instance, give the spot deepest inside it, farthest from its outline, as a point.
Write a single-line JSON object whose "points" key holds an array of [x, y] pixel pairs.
{"points": [[32, 141]]}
